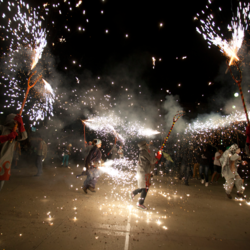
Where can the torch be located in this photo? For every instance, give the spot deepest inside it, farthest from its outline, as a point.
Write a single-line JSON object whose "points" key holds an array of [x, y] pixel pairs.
{"points": [[175, 119], [29, 86], [238, 81]]}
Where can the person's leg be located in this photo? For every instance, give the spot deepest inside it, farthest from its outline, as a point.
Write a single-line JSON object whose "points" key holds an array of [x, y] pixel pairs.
{"points": [[201, 173], [187, 172], [218, 173], [195, 169], [198, 174], [143, 195], [182, 174], [87, 180], [1, 185], [137, 191], [238, 183], [63, 159], [229, 185], [206, 172], [94, 179], [67, 160], [212, 179]]}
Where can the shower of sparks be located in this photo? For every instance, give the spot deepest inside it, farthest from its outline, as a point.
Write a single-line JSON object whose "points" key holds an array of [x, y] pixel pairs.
{"points": [[215, 123], [239, 25], [147, 132], [48, 88], [27, 40], [114, 124]]}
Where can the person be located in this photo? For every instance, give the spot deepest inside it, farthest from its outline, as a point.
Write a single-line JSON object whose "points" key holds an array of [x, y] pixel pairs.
{"points": [[229, 171], [41, 155], [120, 152], [204, 165], [7, 146], [17, 153], [88, 148], [196, 165], [145, 163], [243, 168], [217, 165], [113, 152], [186, 164], [152, 151], [93, 161], [66, 155], [10, 137]]}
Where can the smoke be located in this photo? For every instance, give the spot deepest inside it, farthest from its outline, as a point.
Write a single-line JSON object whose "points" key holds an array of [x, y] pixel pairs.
{"points": [[172, 107]]}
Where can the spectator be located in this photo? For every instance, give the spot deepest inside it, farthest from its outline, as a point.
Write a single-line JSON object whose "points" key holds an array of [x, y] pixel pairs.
{"points": [[205, 158], [66, 155], [217, 165], [41, 155]]}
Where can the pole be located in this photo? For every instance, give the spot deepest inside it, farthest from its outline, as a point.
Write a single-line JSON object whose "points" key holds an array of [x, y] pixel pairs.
{"points": [[175, 119], [240, 88]]}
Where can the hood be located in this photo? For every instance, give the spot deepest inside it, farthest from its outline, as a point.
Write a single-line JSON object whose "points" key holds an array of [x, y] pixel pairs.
{"points": [[233, 149], [9, 121]]}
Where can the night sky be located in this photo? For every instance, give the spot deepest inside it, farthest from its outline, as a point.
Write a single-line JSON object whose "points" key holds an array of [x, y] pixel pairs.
{"points": [[116, 40]]}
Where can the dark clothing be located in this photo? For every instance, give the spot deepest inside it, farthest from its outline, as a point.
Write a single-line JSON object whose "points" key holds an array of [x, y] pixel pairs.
{"points": [[204, 169], [92, 177], [205, 158], [143, 192], [217, 169], [93, 157], [92, 162], [186, 162]]}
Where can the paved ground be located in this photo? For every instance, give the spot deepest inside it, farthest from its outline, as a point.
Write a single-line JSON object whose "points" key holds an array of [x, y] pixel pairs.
{"points": [[48, 213]]}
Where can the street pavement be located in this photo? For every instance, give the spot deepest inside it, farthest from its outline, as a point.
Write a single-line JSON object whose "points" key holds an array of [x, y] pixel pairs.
{"points": [[52, 212]]}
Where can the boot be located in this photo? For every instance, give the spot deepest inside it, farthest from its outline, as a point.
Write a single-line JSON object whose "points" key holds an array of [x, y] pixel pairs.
{"points": [[91, 189], [85, 189]]}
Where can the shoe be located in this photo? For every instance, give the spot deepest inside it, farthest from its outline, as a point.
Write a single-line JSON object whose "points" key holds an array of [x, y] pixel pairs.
{"points": [[91, 189], [131, 196], [62, 164], [142, 207], [186, 184], [210, 183], [85, 189], [229, 196], [36, 175], [202, 181], [241, 195], [206, 184]]}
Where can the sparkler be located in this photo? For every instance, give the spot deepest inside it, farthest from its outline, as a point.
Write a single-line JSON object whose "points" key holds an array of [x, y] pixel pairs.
{"points": [[238, 25], [175, 119]]}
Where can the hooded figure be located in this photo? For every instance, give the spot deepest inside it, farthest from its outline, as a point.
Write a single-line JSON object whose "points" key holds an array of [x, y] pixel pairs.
{"points": [[146, 162], [7, 148], [229, 171]]}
